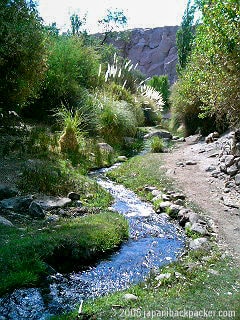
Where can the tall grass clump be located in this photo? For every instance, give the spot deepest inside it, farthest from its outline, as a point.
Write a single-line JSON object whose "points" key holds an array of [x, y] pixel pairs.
{"points": [[157, 145], [124, 73], [116, 121]]}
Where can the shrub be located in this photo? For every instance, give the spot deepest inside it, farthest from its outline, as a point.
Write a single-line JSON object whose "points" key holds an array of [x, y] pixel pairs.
{"points": [[72, 68], [157, 145], [22, 53], [116, 121]]}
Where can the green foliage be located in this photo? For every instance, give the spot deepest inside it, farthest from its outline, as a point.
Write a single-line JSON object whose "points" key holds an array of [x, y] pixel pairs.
{"points": [[185, 36], [206, 94], [25, 253], [113, 20], [161, 84], [77, 23], [156, 145], [72, 69], [22, 53], [116, 121]]}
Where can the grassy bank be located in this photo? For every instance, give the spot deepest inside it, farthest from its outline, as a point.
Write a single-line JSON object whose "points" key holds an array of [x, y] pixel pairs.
{"points": [[203, 284], [26, 253]]}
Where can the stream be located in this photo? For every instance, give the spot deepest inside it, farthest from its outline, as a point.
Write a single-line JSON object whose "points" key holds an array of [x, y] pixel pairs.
{"points": [[154, 241]]}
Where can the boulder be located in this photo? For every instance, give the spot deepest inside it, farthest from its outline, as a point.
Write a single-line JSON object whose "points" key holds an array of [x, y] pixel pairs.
{"points": [[199, 243], [105, 147], [17, 203], [130, 297], [228, 160], [232, 170], [74, 196], [35, 210], [122, 158], [198, 228], [50, 203], [160, 134], [7, 192], [5, 222], [237, 179]]}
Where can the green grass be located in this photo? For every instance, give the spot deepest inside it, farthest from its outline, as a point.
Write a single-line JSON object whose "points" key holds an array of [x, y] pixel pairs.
{"points": [[157, 145], [195, 290], [24, 253], [141, 171]]}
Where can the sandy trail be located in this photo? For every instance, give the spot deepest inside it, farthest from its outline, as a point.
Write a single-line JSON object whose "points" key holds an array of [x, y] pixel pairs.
{"points": [[206, 191]]}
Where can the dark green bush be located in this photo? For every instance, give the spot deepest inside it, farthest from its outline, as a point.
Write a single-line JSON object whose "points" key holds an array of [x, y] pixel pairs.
{"points": [[22, 53]]}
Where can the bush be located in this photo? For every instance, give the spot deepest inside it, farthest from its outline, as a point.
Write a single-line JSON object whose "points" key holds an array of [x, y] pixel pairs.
{"points": [[206, 96], [22, 53], [116, 121], [72, 69], [157, 145]]}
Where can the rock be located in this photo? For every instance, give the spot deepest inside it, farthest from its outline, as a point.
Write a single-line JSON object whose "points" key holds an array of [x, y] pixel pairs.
{"points": [[163, 276], [191, 163], [230, 202], [105, 147], [53, 218], [198, 228], [174, 209], [130, 297], [199, 243], [35, 210], [5, 222], [210, 169], [229, 160], [122, 158], [7, 192], [149, 188], [74, 196], [237, 179], [154, 50], [223, 167], [215, 173], [232, 170], [212, 137], [193, 217], [17, 203], [183, 216], [160, 134], [156, 193], [50, 203], [164, 205], [177, 196], [193, 139]]}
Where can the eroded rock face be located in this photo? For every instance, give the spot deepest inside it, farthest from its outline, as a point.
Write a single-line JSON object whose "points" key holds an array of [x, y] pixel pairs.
{"points": [[154, 50]]}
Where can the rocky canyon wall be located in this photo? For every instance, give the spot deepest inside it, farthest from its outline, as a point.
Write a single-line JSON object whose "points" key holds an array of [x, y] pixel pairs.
{"points": [[154, 50]]}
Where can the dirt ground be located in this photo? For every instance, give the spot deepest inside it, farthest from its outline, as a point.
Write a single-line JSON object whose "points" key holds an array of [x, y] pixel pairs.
{"points": [[209, 193]]}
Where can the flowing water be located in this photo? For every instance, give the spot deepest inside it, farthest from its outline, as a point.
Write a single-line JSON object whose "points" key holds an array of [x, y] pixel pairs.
{"points": [[154, 241]]}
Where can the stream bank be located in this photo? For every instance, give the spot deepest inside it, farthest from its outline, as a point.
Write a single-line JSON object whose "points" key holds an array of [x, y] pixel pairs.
{"points": [[154, 241]]}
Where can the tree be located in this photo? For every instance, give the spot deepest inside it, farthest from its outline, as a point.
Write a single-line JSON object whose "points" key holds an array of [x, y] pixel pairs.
{"points": [[77, 23], [186, 36], [207, 92], [22, 53], [112, 21]]}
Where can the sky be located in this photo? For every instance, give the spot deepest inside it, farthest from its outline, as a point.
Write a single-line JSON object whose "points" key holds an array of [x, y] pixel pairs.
{"points": [[140, 13]]}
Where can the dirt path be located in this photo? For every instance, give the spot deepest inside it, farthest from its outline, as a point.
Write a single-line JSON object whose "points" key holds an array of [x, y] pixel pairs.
{"points": [[210, 193]]}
